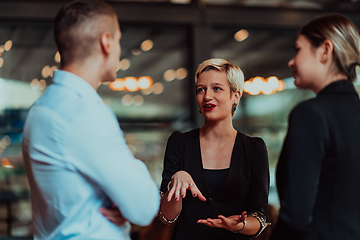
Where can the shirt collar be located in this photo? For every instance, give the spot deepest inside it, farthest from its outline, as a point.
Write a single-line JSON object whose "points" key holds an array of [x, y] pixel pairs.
{"points": [[339, 87], [75, 83]]}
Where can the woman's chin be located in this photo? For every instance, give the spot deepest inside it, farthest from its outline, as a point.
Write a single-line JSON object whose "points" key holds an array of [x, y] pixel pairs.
{"points": [[297, 82], [214, 118]]}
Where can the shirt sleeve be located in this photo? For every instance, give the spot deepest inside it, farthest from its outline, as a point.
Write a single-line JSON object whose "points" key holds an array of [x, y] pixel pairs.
{"points": [[171, 159], [298, 170], [98, 150], [259, 183]]}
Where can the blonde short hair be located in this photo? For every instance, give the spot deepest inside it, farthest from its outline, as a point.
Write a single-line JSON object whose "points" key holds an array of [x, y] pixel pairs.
{"points": [[234, 74], [343, 34]]}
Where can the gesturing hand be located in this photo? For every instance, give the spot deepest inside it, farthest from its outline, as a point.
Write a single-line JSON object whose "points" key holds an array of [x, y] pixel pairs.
{"points": [[180, 182], [232, 223], [113, 215]]}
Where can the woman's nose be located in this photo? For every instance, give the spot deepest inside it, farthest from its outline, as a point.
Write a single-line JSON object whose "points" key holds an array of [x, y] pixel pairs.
{"points": [[208, 95], [291, 63]]}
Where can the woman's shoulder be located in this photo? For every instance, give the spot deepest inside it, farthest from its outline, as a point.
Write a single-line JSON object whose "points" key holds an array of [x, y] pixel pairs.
{"points": [[256, 150], [312, 111], [252, 141], [177, 135], [310, 105]]}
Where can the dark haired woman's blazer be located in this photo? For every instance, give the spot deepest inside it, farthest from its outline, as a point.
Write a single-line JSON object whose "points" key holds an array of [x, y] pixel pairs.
{"points": [[245, 188], [318, 174]]}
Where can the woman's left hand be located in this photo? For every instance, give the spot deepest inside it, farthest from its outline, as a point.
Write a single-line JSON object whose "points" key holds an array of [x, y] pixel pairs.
{"points": [[232, 223], [113, 215]]}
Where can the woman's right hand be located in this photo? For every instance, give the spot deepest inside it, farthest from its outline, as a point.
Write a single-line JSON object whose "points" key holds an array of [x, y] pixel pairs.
{"points": [[181, 181]]}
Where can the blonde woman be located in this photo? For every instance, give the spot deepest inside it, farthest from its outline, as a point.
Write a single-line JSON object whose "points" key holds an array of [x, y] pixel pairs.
{"points": [[215, 169], [318, 170]]}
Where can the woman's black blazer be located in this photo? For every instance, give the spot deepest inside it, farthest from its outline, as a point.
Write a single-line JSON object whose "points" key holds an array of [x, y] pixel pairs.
{"points": [[245, 188], [318, 174]]}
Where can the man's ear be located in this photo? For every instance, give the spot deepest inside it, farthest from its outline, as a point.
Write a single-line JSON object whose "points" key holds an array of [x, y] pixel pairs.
{"points": [[105, 42], [326, 48]]}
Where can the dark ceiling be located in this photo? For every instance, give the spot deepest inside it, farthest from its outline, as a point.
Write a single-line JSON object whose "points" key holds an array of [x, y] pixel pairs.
{"points": [[183, 36]]}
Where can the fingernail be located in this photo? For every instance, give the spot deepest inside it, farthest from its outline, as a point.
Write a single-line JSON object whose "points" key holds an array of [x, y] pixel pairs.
{"points": [[194, 194], [168, 200], [176, 199]]}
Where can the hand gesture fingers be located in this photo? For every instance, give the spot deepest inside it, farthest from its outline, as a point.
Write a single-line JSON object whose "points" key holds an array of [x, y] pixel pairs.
{"points": [[228, 222], [220, 222], [177, 188], [233, 223], [180, 182], [211, 222], [216, 223], [243, 216], [171, 193], [177, 191], [183, 189], [196, 192]]}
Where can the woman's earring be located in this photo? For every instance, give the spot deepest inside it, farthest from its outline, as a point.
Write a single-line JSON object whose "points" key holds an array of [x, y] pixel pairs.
{"points": [[234, 107], [199, 111]]}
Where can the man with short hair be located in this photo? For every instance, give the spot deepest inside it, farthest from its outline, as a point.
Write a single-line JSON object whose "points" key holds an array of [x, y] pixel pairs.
{"points": [[75, 154]]}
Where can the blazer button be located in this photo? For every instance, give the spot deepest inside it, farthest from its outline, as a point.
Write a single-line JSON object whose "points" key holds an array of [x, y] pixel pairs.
{"points": [[209, 201]]}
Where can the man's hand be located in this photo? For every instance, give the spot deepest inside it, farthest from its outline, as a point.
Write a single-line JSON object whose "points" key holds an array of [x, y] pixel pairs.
{"points": [[113, 215]]}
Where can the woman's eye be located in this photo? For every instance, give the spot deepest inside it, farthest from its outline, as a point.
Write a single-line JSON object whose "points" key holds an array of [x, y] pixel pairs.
{"points": [[217, 88], [200, 90]]}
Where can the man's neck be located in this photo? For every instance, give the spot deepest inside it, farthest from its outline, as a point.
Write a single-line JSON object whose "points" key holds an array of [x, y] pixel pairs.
{"points": [[87, 71]]}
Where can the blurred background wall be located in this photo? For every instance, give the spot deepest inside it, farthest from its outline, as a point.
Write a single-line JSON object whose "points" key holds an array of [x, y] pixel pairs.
{"points": [[163, 43]]}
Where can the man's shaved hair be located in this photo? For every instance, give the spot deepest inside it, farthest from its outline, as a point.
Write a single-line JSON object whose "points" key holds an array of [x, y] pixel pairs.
{"points": [[78, 26]]}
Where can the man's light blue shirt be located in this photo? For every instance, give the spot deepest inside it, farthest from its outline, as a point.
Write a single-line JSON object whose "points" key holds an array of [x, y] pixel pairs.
{"points": [[77, 161]]}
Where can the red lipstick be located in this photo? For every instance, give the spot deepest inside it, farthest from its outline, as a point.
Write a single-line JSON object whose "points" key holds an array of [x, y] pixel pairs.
{"points": [[209, 107]]}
